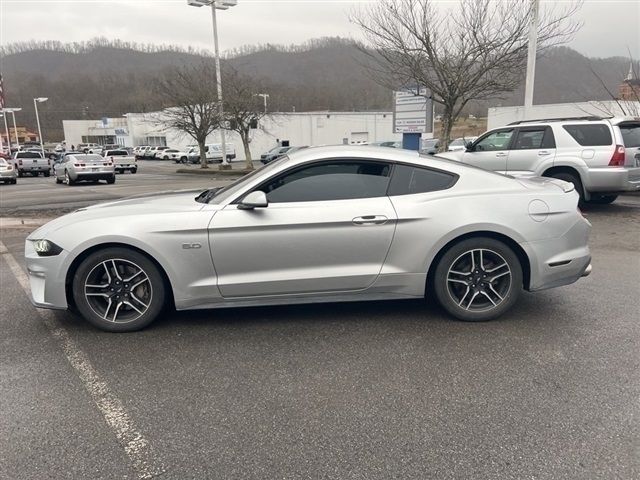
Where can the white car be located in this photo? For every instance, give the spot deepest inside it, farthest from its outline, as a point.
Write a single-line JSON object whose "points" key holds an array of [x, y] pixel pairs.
{"points": [[460, 144]]}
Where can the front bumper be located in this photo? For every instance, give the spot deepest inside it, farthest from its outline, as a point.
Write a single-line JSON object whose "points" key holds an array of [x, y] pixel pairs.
{"points": [[560, 261], [47, 278], [613, 179]]}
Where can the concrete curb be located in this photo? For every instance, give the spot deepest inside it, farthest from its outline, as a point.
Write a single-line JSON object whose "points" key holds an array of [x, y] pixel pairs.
{"points": [[213, 172], [17, 222]]}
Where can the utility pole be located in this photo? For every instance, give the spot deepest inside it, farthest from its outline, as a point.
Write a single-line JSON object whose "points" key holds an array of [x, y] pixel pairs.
{"points": [[531, 56]]}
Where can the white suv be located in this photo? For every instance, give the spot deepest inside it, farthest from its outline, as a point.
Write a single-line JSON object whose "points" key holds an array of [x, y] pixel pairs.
{"points": [[600, 156]]}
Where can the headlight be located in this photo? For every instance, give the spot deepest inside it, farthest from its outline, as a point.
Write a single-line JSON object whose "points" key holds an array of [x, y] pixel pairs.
{"points": [[45, 248]]}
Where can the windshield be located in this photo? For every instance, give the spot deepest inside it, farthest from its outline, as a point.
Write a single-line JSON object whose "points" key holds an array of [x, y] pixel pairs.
{"points": [[89, 158], [217, 196], [458, 142], [29, 155]]}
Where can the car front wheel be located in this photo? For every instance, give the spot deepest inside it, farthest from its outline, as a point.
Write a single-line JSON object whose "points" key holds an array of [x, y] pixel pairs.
{"points": [[118, 290], [478, 279]]}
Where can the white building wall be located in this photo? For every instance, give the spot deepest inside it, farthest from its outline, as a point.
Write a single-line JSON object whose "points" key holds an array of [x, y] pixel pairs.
{"points": [[500, 116], [299, 128]]}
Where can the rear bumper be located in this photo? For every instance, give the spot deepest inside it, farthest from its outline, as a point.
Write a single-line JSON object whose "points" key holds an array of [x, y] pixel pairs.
{"points": [[613, 179], [34, 168], [560, 261], [8, 174], [80, 176]]}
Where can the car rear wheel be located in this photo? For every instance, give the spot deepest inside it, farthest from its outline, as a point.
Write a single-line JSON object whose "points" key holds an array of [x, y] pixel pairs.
{"points": [[478, 279], [118, 290], [47, 174], [67, 178], [601, 199], [134, 170], [111, 180], [58, 181]]}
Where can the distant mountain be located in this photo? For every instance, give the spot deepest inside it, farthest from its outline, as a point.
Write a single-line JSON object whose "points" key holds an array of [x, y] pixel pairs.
{"points": [[110, 78]]}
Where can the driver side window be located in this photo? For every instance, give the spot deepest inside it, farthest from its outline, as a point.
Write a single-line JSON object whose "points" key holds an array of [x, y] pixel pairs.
{"points": [[335, 180], [495, 141]]}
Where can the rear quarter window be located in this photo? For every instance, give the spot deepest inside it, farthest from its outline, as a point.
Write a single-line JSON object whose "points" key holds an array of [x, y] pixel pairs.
{"points": [[630, 134], [407, 180], [590, 135]]}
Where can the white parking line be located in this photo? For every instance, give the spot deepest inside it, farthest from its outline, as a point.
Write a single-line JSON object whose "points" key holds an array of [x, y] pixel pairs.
{"points": [[135, 445]]}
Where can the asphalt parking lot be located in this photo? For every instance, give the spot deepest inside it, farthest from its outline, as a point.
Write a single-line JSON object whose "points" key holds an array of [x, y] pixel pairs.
{"points": [[345, 391]]}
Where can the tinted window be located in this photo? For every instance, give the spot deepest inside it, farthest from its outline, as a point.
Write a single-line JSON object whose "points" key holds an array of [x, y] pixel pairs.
{"points": [[494, 141], [29, 155], [330, 181], [529, 139], [117, 153], [590, 135], [631, 135], [407, 180]]}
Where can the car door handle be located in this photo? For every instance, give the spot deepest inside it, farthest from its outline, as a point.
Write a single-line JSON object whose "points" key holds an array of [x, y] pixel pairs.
{"points": [[543, 152], [501, 154], [370, 220]]}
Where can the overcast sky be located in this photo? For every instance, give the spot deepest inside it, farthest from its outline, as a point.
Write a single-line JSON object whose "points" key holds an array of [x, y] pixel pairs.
{"points": [[610, 26]]}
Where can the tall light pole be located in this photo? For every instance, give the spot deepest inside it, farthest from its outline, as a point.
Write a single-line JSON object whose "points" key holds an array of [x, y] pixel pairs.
{"points": [[264, 97], [531, 56], [217, 5], [6, 129], [13, 111], [36, 101]]}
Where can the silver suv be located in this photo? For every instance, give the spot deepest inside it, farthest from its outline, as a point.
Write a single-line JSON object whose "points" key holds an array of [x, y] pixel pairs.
{"points": [[600, 156]]}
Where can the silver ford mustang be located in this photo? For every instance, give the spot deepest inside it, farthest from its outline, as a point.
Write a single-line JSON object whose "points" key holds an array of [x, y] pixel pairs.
{"points": [[323, 225]]}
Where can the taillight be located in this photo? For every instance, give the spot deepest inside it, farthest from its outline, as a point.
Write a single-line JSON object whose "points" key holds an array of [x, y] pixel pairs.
{"points": [[9, 167], [617, 160], [78, 165]]}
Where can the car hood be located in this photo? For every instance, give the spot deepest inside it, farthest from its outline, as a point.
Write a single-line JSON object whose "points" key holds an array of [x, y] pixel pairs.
{"points": [[161, 202]]}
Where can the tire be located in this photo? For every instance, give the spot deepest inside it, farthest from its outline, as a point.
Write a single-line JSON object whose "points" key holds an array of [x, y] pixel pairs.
{"points": [[183, 160], [571, 178], [111, 180], [601, 199], [20, 173], [471, 296], [14, 181], [67, 178], [134, 170], [138, 304], [58, 181], [165, 158], [47, 174]]}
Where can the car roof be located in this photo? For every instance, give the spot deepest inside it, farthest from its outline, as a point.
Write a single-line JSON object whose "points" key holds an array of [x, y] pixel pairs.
{"points": [[370, 152]]}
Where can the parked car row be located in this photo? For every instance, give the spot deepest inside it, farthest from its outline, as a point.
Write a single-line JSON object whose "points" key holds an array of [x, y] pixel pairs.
{"points": [[191, 154]]}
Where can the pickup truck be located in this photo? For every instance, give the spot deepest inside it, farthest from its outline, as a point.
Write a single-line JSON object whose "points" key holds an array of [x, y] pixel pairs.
{"points": [[31, 162], [122, 160]]}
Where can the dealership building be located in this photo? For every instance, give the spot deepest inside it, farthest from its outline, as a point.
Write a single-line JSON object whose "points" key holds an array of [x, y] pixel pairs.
{"points": [[296, 128]]}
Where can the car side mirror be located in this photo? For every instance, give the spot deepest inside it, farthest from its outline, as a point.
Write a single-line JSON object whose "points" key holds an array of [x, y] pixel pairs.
{"points": [[256, 199], [469, 146]]}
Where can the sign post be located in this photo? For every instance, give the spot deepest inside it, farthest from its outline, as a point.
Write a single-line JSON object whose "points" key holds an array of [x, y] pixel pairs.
{"points": [[412, 115]]}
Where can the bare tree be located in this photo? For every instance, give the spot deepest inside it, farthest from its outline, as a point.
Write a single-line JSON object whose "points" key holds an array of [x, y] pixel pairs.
{"points": [[474, 51], [243, 109], [189, 96]]}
